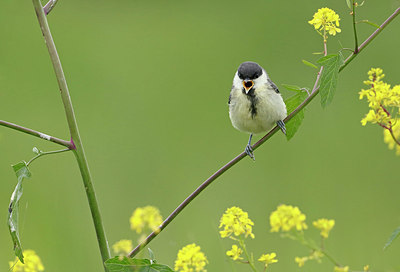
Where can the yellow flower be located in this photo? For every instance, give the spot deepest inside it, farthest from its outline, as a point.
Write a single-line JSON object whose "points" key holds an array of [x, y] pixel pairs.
{"points": [[32, 263], [326, 20], [122, 247], [324, 225], [235, 221], [341, 269], [268, 259], [287, 217], [366, 268], [301, 260], [190, 259], [235, 253], [146, 217], [388, 139]]}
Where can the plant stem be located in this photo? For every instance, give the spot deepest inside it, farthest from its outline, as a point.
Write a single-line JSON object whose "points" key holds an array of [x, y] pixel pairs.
{"points": [[75, 137], [239, 157], [49, 6], [249, 260], [46, 153], [370, 38], [36, 134], [354, 28]]}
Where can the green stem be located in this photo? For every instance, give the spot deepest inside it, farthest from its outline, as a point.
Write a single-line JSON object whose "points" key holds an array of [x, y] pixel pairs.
{"points": [[242, 155], [46, 153], [354, 28], [36, 134], [75, 137], [370, 38], [249, 260]]}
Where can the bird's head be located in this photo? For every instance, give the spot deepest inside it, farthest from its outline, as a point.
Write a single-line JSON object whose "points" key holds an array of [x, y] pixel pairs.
{"points": [[249, 75]]}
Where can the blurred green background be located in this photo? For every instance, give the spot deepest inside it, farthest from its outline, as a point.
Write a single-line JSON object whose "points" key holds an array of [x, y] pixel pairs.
{"points": [[150, 81]]}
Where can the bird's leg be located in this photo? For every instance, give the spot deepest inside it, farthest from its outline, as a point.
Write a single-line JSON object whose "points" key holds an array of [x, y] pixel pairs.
{"points": [[248, 149], [281, 124]]}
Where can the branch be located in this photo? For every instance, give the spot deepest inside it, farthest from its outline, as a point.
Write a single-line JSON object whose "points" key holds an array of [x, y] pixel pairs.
{"points": [[49, 6], [370, 38], [75, 137], [239, 157], [37, 134], [353, 13]]}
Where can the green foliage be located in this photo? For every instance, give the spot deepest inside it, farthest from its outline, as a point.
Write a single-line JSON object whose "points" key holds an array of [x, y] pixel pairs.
{"points": [[309, 64], [125, 264], [369, 23], [329, 77], [22, 171], [291, 104], [393, 236]]}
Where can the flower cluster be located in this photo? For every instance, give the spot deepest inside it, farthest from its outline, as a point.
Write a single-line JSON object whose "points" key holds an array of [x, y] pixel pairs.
{"points": [[316, 255], [384, 104], [324, 225], [190, 259], [287, 217], [145, 217], [31, 260], [326, 21], [268, 259], [235, 253], [341, 269], [122, 247], [237, 222]]}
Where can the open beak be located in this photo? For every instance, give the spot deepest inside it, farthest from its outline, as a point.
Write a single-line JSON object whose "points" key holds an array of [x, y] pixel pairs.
{"points": [[248, 84]]}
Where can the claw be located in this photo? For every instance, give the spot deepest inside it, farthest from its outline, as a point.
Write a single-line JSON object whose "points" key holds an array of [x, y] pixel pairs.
{"points": [[281, 125], [249, 151]]}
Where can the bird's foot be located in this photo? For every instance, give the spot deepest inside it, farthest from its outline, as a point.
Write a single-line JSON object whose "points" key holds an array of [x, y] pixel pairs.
{"points": [[249, 151]]}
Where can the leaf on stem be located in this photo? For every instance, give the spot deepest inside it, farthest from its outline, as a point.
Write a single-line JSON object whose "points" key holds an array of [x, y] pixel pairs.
{"points": [[291, 104], [329, 77], [393, 236], [370, 23], [309, 64], [293, 88], [124, 264], [22, 171], [349, 4]]}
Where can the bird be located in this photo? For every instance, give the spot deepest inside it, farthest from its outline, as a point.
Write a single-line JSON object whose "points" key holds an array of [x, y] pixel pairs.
{"points": [[255, 103]]}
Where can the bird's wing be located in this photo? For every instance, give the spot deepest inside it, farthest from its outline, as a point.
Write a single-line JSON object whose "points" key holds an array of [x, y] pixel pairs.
{"points": [[273, 86]]}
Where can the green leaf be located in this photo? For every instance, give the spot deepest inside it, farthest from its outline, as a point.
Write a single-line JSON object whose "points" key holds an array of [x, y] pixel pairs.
{"points": [[291, 104], [393, 236], [124, 264], [22, 171], [309, 64], [348, 4], [329, 77], [151, 255], [370, 23], [292, 87]]}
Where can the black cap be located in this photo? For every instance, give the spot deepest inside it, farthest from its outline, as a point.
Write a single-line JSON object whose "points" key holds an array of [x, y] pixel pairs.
{"points": [[249, 70]]}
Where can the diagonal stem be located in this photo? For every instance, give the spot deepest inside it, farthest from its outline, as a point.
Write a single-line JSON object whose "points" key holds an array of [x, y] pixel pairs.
{"points": [[239, 157], [75, 137], [37, 134]]}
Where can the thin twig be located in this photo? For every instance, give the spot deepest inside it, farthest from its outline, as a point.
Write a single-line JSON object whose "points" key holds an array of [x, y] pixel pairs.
{"points": [[239, 157], [354, 28], [370, 38], [46, 153], [37, 134], [49, 6], [75, 137]]}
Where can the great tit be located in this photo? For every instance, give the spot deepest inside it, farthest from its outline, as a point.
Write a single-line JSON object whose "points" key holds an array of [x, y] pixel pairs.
{"points": [[255, 104]]}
